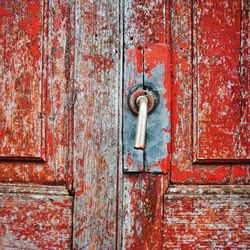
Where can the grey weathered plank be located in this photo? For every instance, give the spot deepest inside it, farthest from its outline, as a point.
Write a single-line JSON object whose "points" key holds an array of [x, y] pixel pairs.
{"points": [[96, 123]]}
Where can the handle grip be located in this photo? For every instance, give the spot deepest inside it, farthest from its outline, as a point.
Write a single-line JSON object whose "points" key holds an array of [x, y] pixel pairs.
{"points": [[141, 126]]}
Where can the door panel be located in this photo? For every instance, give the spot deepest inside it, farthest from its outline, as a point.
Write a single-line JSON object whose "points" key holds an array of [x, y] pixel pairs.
{"points": [[221, 87], [36, 97], [206, 217], [198, 101], [22, 87], [35, 125], [210, 142], [35, 217]]}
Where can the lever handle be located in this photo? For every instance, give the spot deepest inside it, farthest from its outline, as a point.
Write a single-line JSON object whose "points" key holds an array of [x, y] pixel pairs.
{"points": [[142, 101], [141, 126]]}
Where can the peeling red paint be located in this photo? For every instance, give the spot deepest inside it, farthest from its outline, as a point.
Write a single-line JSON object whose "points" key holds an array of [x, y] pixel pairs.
{"points": [[30, 220], [209, 217], [184, 96], [35, 114]]}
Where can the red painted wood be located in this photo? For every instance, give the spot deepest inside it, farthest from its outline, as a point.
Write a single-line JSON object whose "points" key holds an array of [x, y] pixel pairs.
{"points": [[184, 92], [144, 22], [157, 65], [30, 219], [22, 86], [36, 97], [96, 124], [206, 217], [35, 125], [142, 199], [221, 95]]}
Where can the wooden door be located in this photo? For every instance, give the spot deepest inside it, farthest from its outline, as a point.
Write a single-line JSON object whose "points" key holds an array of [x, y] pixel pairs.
{"points": [[65, 69], [58, 124], [199, 198], [35, 172]]}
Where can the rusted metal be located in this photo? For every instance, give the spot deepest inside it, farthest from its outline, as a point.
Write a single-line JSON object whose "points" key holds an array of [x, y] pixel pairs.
{"points": [[140, 90]]}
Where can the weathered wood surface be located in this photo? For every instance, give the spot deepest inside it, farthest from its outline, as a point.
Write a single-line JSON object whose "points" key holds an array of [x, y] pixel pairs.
{"points": [[35, 217], [207, 217], [221, 81], [35, 125], [96, 124], [146, 29], [184, 109], [35, 95], [143, 211]]}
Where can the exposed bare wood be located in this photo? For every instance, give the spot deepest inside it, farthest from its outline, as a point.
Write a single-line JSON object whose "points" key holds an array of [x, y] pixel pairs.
{"points": [[35, 221], [209, 217], [33, 189], [96, 124], [184, 28]]}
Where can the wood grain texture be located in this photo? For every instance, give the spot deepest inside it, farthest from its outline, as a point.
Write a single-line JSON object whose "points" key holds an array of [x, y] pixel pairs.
{"points": [[207, 217], [144, 22], [34, 40], [96, 124], [221, 91], [21, 46], [146, 28], [35, 221], [142, 211], [183, 170]]}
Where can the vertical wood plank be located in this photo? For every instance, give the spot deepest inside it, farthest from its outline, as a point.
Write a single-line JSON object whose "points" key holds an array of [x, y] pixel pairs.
{"points": [[133, 75], [96, 124], [145, 24], [143, 207]]}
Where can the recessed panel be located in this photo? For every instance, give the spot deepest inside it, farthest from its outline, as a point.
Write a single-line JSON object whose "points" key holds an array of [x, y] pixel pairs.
{"points": [[21, 79], [221, 81]]}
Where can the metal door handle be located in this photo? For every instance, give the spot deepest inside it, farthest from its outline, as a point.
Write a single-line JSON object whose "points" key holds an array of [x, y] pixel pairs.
{"points": [[142, 100], [141, 126]]}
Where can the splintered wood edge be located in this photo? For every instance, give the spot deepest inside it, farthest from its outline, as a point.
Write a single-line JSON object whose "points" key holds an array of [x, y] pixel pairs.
{"points": [[33, 189], [202, 190]]}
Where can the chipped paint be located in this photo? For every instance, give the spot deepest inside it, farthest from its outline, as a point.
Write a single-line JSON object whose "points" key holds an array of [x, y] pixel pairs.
{"points": [[205, 87], [34, 117], [206, 217], [154, 73], [158, 130]]}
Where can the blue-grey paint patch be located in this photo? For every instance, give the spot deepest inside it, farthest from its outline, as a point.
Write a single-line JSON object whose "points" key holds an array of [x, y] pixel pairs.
{"points": [[133, 159], [158, 123]]}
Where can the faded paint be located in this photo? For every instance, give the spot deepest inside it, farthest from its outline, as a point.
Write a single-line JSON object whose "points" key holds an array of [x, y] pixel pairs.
{"points": [[133, 75], [34, 117], [96, 121], [154, 73], [158, 130], [35, 217], [186, 96], [206, 217]]}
